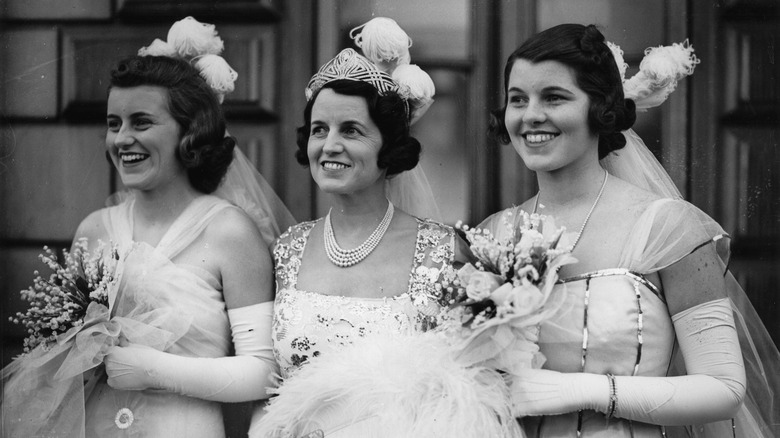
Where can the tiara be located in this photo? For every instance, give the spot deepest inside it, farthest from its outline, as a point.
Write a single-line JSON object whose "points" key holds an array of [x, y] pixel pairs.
{"points": [[384, 65], [348, 64]]}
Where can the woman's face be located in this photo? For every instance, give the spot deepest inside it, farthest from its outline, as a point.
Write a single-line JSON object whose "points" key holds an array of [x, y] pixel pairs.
{"points": [[344, 145], [142, 137], [547, 116]]}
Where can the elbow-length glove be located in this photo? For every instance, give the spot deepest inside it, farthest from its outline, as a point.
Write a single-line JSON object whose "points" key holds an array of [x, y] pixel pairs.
{"points": [[712, 390], [237, 378]]}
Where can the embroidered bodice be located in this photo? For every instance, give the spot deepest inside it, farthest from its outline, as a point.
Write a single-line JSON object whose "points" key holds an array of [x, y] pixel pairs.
{"points": [[308, 324]]}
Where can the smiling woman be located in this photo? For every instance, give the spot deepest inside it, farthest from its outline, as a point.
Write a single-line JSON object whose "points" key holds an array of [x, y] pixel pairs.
{"points": [[143, 138], [193, 280], [367, 270], [651, 339]]}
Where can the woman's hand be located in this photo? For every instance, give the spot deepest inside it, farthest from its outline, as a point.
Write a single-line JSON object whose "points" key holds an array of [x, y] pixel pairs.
{"points": [[130, 367], [544, 392]]}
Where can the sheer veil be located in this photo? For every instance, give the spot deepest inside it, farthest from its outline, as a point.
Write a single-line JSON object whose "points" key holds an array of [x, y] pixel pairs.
{"points": [[411, 192], [246, 188], [760, 414]]}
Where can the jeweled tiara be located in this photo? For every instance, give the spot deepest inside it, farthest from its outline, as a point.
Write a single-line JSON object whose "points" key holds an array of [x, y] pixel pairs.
{"points": [[348, 64]]}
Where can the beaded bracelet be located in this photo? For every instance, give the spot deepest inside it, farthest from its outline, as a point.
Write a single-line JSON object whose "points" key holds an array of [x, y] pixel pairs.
{"points": [[612, 396]]}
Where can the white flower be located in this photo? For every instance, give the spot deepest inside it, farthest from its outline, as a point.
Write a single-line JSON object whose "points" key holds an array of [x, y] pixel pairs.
{"points": [[481, 284]]}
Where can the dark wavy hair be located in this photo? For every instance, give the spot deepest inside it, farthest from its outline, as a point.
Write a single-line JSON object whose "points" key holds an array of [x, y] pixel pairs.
{"points": [[399, 152], [584, 50], [204, 150]]}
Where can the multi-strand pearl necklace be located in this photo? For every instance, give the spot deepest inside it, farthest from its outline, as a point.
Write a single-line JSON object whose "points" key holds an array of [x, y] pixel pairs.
{"points": [[348, 257], [587, 218]]}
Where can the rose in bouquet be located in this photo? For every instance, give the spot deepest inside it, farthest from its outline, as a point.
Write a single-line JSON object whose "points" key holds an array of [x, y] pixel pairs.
{"points": [[496, 302], [60, 302]]}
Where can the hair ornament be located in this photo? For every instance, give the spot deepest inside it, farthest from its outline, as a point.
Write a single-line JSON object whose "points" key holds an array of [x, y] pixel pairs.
{"points": [[217, 73], [617, 53], [350, 65], [384, 64], [198, 44], [416, 87], [158, 48], [192, 38], [383, 42], [658, 74]]}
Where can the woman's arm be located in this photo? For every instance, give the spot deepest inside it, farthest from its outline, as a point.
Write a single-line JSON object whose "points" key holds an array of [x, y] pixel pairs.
{"points": [[704, 326], [247, 278]]}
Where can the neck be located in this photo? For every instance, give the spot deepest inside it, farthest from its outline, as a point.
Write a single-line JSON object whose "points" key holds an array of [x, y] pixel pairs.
{"points": [[165, 204], [571, 186], [355, 214]]}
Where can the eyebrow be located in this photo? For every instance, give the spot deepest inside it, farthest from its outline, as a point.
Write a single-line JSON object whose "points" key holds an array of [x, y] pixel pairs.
{"points": [[549, 89]]}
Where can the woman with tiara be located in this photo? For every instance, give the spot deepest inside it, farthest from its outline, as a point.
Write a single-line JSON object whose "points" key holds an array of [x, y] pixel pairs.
{"points": [[355, 287], [655, 337], [194, 278]]}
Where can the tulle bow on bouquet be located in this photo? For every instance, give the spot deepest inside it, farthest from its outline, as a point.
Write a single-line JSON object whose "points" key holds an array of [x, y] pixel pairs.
{"points": [[497, 301]]}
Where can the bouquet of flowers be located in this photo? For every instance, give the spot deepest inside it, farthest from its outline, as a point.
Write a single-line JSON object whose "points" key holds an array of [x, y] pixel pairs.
{"points": [[60, 302], [496, 302]]}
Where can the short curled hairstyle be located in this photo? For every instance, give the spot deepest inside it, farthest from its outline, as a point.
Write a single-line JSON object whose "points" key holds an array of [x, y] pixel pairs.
{"points": [[583, 49], [399, 152], [204, 150]]}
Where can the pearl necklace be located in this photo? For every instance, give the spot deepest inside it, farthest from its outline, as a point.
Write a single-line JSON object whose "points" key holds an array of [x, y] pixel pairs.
{"points": [[587, 217], [348, 257]]}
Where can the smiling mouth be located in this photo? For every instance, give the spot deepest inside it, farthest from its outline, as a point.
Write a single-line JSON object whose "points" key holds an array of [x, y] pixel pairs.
{"points": [[538, 138], [132, 157], [332, 165]]}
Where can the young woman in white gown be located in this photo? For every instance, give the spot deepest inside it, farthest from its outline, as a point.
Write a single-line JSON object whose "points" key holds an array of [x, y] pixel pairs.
{"points": [[646, 339], [194, 277]]}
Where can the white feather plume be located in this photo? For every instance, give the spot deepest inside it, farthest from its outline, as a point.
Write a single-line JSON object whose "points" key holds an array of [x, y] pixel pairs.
{"points": [[383, 42], [617, 53], [658, 74], [217, 73], [192, 38], [391, 386], [158, 48]]}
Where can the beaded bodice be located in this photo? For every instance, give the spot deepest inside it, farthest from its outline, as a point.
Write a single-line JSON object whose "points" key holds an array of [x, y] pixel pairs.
{"points": [[308, 324]]}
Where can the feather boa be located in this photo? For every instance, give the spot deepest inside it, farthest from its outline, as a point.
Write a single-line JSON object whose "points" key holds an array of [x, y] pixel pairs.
{"points": [[390, 386]]}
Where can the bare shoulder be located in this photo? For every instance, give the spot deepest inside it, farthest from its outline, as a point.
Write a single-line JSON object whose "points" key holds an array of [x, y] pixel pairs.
{"points": [[92, 228], [231, 227]]}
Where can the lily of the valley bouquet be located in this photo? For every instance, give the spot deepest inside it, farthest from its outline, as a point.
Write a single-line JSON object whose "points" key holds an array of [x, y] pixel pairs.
{"points": [[497, 301], [60, 303], [68, 332]]}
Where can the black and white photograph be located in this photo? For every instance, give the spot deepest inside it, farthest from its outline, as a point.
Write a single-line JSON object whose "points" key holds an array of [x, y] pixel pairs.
{"points": [[390, 218]]}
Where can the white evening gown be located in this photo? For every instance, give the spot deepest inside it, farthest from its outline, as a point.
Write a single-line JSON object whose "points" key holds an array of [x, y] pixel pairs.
{"points": [[615, 321], [352, 367]]}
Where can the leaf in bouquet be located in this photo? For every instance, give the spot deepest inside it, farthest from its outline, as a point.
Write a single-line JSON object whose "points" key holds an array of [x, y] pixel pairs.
{"points": [[481, 310], [82, 286]]}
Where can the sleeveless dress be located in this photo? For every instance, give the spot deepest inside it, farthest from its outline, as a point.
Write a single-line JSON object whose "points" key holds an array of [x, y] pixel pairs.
{"points": [[616, 321], [331, 349], [183, 312], [308, 324]]}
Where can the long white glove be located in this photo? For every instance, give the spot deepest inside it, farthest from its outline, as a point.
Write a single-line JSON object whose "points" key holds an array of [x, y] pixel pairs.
{"points": [[712, 390], [237, 378]]}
